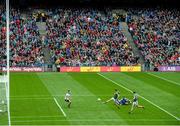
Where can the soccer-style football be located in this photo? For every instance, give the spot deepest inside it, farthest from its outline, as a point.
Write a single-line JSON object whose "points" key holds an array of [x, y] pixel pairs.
{"points": [[99, 99]]}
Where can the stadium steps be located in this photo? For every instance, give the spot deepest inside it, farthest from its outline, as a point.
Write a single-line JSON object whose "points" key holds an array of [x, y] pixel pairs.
{"points": [[45, 49], [124, 27], [47, 56], [42, 28]]}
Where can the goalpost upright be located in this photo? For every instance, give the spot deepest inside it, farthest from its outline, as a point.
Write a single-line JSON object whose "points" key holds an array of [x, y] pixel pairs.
{"points": [[7, 62]]}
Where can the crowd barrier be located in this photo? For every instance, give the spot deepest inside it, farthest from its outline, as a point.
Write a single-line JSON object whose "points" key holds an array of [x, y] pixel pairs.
{"points": [[102, 69]]}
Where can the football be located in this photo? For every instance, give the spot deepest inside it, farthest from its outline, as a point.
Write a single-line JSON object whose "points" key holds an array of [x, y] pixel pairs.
{"points": [[98, 99]]}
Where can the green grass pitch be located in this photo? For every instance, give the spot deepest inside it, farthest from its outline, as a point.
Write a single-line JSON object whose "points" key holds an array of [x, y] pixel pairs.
{"points": [[32, 99]]}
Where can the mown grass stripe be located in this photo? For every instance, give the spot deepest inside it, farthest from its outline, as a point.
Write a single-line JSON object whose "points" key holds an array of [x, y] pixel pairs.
{"points": [[164, 79], [90, 120], [140, 96]]}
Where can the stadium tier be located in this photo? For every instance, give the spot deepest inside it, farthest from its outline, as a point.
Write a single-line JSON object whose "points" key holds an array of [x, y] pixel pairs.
{"points": [[156, 32], [25, 42], [87, 37], [92, 37]]}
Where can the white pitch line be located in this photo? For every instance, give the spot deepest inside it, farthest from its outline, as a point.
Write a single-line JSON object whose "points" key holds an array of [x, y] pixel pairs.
{"points": [[140, 96], [25, 117], [95, 120], [60, 107], [164, 79]]}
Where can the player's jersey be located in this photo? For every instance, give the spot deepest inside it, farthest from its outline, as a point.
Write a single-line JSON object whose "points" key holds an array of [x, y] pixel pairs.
{"points": [[67, 96], [116, 95], [122, 101], [135, 98]]}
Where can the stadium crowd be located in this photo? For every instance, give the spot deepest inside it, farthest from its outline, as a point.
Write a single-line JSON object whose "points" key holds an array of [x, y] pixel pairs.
{"points": [[91, 37], [87, 37], [156, 32], [2, 37], [25, 41]]}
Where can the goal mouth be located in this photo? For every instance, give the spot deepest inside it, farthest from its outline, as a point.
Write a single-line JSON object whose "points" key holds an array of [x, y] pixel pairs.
{"points": [[3, 93]]}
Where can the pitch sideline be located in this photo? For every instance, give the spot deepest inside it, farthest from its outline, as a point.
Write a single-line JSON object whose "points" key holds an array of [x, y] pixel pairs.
{"points": [[60, 107]]}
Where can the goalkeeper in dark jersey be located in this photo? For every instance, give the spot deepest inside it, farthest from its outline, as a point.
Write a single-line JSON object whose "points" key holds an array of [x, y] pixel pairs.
{"points": [[115, 97], [123, 101]]}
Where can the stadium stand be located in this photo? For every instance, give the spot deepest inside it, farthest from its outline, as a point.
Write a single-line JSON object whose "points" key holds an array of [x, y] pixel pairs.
{"points": [[91, 37], [2, 37], [156, 32], [87, 37], [25, 42]]}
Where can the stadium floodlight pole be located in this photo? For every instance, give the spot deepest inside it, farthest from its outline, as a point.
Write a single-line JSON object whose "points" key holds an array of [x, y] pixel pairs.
{"points": [[7, 61]]}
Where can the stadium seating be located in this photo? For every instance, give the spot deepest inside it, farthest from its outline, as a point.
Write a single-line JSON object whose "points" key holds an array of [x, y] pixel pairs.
{"points": [[87, 37], [90, 37], [25, 42], [156, 32], [2, 37]]}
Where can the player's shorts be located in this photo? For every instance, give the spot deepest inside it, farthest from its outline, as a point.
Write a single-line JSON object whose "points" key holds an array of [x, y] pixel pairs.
{"points": [[66, 100], [117, 102], [135, 103]]}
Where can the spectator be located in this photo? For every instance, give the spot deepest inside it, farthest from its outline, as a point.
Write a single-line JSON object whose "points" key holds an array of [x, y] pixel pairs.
{"points": [[87, 37], [156, 32], [25, 42]]}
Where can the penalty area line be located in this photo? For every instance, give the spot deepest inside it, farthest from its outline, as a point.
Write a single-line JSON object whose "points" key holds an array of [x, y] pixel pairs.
{"points": [[139, 96], [60, 107]]}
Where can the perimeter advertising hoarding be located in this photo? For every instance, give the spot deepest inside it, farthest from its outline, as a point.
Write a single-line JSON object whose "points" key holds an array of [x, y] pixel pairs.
{"points": [[90, 69], [130, 68], [169, 68], [102, 69], [70, 69], [24, 69], [110, 69]]}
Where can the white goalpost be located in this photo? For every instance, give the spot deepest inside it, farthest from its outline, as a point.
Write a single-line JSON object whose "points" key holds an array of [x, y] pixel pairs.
{"points": [[5, 76], [7, 61]]}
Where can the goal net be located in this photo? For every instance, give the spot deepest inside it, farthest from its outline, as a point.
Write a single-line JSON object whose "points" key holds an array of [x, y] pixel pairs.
{"points": [[3, 93]]}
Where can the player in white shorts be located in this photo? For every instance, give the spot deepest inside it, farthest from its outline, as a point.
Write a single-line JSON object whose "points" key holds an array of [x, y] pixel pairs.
{"points": [[67, 98], [135, 102]]}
